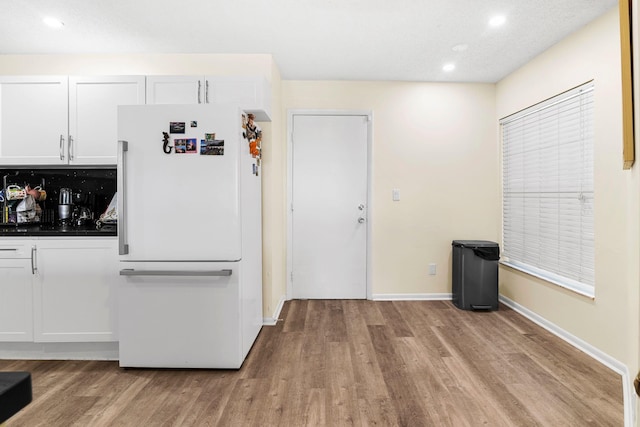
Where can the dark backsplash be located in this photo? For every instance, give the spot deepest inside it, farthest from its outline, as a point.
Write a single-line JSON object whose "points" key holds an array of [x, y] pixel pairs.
{"points": [[92, 187]]}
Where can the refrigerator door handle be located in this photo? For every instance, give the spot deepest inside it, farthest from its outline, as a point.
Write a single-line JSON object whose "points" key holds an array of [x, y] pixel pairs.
{"points": [[132, 272], [123, 246]]}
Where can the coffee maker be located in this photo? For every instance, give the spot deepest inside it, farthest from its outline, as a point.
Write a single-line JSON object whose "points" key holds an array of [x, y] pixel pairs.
{"points": [[65, 205], [83, 208]]}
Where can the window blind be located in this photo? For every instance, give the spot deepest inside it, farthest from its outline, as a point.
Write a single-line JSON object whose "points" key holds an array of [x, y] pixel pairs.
{"points": [[548, 190]]}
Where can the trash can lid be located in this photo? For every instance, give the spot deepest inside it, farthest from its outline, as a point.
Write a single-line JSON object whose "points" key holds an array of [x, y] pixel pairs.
{"points": [[474, 243]]}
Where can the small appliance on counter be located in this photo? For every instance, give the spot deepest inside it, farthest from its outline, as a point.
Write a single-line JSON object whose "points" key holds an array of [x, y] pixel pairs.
{"points": [[82, 215], [84, 203], [65, 205]]}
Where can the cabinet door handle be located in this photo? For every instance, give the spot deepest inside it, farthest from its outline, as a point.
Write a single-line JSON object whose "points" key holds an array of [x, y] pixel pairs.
{"points": [[61, 147], [8, 249], [206, 91], [189, 273], [34, 269], [70, 148], [199, 90], [123, 247]]}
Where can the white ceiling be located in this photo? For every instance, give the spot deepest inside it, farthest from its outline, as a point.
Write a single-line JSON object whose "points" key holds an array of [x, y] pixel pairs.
{"points": [[406, 40]]}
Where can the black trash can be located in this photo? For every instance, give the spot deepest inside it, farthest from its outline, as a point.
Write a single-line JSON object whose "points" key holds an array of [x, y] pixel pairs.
{"points": [[475, 274]]}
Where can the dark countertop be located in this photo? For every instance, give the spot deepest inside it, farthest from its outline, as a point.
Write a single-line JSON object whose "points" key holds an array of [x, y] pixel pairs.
{"points": [[55, 230]]}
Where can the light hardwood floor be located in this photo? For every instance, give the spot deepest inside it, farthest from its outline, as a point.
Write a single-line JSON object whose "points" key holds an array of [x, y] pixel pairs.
{"points": [[348, 362]]}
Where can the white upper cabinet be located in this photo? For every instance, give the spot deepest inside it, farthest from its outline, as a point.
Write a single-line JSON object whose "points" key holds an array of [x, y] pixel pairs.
{"points": [[175, 90], [93, 108], [252, 93], [33, 120], [60, 120]]}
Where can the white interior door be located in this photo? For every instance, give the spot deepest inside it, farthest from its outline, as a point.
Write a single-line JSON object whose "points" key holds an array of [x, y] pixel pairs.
{"points": [[329, 202]]}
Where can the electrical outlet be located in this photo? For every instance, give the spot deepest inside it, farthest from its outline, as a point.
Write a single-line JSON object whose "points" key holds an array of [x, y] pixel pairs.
{"points": [[432, 269]]}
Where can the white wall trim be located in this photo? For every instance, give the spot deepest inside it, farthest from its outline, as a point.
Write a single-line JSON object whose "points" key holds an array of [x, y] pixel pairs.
{"points": [[411, 297], [321, 112], [59, 351], [628, 393], [271, 321]]}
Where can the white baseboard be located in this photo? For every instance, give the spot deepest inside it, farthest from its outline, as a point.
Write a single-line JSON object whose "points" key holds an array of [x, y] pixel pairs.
{"points": [[629, 398], [410, 297], [271, 321]]}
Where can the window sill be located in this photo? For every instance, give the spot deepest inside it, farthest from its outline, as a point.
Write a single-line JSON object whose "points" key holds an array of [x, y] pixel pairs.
{"points": [[578, 288]]}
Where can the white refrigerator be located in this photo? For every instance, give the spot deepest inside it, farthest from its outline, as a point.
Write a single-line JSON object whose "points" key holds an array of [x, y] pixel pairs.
{"points": [[189, 230]]}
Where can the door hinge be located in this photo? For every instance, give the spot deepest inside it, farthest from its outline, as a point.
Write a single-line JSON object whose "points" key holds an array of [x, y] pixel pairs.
{"points": [[292, 276]]}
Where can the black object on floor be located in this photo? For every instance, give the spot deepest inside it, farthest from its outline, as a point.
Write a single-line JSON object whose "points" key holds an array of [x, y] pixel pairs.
{"points": [[15, 393], [475, 274]]}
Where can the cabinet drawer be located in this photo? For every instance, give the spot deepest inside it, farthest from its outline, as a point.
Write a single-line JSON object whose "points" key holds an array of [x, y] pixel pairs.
{"points": [[15, 250]]}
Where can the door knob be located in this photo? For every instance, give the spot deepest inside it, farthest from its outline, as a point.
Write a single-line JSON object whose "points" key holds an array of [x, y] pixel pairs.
{"points": [[361, 220], [361, 207]]}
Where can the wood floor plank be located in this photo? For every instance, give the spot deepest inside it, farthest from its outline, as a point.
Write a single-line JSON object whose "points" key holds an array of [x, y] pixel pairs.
{"points": [[394, 319], [348, 362], [336, 328], [315, 407], [296, 316], [367, 375], [370, 313], [399, 383], [342, 398], [114, 396], [208, 407]]}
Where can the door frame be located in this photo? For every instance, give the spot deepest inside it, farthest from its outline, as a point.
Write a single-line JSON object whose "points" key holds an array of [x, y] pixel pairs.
{"points": [[329, 112]]}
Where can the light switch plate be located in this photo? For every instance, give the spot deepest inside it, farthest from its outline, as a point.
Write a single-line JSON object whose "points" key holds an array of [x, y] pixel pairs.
{"points": [[396, 194]]}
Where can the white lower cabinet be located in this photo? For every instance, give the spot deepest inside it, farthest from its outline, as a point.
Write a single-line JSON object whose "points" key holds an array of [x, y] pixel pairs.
{"points": [[16, 314], [58, 290], [75, 291]]}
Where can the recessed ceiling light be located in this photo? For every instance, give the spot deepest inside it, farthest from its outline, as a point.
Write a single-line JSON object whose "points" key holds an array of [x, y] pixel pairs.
{"points": [[53, 22], [497, 20], [460, 47], [449, 67]]}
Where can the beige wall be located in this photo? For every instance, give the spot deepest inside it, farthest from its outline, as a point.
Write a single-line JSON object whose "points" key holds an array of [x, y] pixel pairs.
{"points": [[273, 207], [610, 321], [136, 64], [438, 144], [189, 64]]}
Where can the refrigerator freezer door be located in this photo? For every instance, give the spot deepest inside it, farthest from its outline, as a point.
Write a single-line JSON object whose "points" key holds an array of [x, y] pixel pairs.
{"points": [[179, 206], [180, 321]]}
